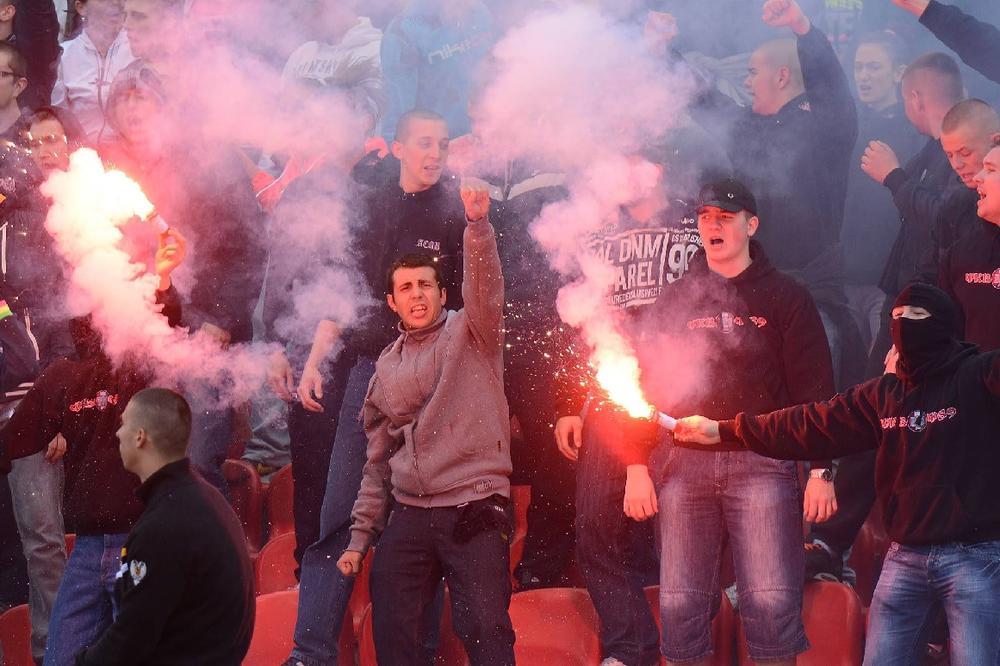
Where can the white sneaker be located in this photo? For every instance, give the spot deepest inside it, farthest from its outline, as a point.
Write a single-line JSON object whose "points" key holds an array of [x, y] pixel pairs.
{"points": [[612, 661]]}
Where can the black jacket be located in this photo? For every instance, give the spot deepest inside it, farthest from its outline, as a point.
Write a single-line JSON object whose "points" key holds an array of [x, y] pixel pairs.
{"points": [[970, 274], [976, 43], [429, 222], [211, 202], [36, 36], [716, 346], [84, 400], [185, 587], [871, 221], [796, 161], [936, 443], [918, 190]]}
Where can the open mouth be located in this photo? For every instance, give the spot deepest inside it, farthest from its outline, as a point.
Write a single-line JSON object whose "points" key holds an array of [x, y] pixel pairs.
{"points": [[715, 242], [418, 310]]}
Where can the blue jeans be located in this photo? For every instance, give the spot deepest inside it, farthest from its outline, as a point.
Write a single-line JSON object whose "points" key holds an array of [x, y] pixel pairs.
{"points": [[323, 590], [703, 496], [85, 604], [37, 487], [615, 553], [963, 577]]}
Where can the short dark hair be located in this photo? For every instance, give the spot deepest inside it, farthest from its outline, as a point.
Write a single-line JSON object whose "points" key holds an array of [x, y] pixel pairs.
{"points": [[971, 111], [75, 134], [405, 120], [166, 417], [891, 42], [414, 260], [945, 69], [15, 60]]}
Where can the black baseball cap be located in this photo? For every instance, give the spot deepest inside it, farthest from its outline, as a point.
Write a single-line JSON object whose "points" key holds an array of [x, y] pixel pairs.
{"points": [[728, 194]]}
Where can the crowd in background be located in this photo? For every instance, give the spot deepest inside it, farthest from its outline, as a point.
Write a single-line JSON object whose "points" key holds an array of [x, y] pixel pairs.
{"points": [[855, 141]]}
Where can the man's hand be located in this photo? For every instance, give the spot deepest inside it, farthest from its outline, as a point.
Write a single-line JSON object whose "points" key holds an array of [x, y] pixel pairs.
{"points": [[640, 495], [878, 161], [476, 197], [377, 143], [350, 563], [215, 333], [915, 7], [311, 385], [698, 430], [891, 359], [170, 253], [569, 436], [786, 14], [280, 377], [820, 502], [56, 449], [659, 31]]}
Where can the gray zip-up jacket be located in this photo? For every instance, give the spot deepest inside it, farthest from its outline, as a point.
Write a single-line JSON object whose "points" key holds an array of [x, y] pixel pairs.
{"points": [[436, 416]]}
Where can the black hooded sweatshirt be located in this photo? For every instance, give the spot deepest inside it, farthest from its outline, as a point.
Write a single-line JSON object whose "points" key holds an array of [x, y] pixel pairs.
{"points": [[719, 346], [84, 400], [970, 274], [933, 425]]}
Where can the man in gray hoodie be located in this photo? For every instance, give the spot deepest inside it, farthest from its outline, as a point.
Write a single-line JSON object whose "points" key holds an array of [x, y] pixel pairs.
{"points": [[439, 440]]}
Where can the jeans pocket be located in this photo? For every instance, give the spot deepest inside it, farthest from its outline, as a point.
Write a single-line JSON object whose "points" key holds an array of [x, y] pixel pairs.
{"points": [[988, 551]]}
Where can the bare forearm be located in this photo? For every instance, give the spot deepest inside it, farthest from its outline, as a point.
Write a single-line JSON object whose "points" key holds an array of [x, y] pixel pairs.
{"points": [[326, 336]]}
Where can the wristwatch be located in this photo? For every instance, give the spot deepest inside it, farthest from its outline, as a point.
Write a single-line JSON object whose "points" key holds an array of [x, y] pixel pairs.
{"points": [[826, 474]]}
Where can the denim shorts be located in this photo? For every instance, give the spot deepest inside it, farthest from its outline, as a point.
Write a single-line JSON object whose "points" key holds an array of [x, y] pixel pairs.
{"points": [[703, 497]]}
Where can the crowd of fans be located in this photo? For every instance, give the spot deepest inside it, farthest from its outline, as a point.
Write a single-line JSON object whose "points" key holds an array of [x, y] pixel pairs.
{"points": [[825, 222]]}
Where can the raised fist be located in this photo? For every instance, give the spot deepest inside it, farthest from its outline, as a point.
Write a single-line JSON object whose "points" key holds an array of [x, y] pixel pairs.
{"points": [[476, 197], [786, 14]]}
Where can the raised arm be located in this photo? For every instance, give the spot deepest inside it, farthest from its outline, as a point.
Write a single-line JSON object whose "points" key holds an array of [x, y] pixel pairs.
{"points": [[482, 277], [977, 43]]}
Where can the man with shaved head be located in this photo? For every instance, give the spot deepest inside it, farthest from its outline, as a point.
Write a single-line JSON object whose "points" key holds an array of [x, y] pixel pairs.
{"points": [[931, 86], [970, 270], [793, 151], [185, 585]]}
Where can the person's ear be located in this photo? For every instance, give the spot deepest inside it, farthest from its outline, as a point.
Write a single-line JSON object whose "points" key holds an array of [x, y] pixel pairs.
{"points": [[141, 438], [784, 78], [397, 150], [444, 296], [392, 303], [20, 85], [752, 225], [994, 140], [7, 13]]}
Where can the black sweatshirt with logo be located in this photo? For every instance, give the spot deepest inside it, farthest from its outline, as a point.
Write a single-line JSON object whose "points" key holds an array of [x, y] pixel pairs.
{"points": [[718, 346], [84, 400], [185, 587], [936, 444], [970, 274]]}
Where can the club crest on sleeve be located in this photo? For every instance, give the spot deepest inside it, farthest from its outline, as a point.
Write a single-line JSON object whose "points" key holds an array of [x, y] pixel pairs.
{"points": [[137, 570]]}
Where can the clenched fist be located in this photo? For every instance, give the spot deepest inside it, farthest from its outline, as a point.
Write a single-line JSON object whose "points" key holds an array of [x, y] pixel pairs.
{"points": [[786, 14], [476, 197], [878, 161]]}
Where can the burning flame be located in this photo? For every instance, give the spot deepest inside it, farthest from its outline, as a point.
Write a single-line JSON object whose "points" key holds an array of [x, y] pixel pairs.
{"points": [[617, 371]]}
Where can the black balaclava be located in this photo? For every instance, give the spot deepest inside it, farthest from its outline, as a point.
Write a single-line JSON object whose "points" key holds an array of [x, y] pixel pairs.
{"points": [[924, 345]]}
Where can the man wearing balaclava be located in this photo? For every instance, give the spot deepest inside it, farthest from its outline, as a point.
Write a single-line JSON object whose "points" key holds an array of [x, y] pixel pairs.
{"points": [[934, 424]]}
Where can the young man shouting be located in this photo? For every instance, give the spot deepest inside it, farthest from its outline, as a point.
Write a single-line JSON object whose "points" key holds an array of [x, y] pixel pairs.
{"points": [[447, 464]]}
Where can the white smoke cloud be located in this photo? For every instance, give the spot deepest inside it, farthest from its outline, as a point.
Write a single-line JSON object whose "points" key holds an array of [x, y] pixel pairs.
{"points": [[578, 91]]}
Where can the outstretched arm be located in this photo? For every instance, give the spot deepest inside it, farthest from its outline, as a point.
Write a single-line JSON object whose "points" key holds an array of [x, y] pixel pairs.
{"points": [[482, 280], [846, 424]]}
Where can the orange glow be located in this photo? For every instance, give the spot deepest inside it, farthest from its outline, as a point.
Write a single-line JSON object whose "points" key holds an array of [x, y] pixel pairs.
{"points": [[618, 374]]}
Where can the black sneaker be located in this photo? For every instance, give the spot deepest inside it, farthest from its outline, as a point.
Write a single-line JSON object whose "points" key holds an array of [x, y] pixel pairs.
{"points": [[821, 565]]}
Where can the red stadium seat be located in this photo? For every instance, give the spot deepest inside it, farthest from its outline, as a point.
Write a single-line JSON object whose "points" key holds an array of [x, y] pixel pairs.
{"points": [[15, 636], [834, 621], [555, 626], [276, 565], [70, 542], [279, 503], [246, 494], [272, 632], [723, 628]]}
